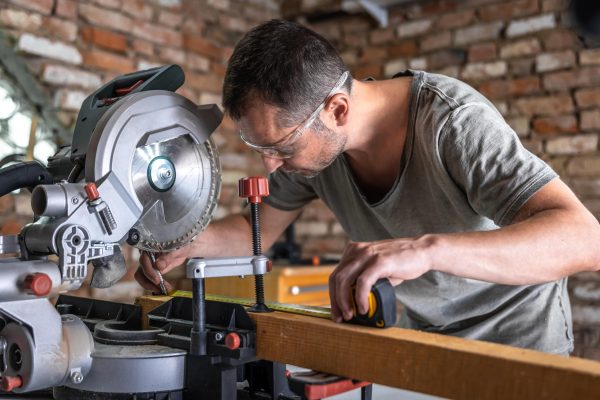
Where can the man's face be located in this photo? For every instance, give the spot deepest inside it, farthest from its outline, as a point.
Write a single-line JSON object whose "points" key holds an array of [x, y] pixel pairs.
{"points": [[307, 151]]}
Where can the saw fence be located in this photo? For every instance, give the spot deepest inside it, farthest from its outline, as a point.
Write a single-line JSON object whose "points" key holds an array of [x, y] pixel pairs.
{"points": [[422, 362]]}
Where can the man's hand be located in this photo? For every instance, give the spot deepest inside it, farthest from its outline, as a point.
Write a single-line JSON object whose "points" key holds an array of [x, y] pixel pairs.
{"points": [[147, 274], [364, 263]]}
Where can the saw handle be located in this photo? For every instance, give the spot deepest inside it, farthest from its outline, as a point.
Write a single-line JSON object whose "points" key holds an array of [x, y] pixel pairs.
{"points": [[27, 174]]}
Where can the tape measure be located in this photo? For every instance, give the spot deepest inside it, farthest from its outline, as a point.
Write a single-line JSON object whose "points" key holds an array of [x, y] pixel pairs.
{"points": [[381, 314], [311, 311]]}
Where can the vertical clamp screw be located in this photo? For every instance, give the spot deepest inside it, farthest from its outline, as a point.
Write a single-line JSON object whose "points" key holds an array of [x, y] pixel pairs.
{"points": [[254, 188]]}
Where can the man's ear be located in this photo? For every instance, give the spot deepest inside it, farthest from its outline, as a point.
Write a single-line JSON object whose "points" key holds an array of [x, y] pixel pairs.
{"points": [[339, 105]]}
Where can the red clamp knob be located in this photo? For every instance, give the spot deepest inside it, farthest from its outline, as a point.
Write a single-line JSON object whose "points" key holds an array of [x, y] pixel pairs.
{"points": [[9, 383], [254, 188], [38, 284], [92, 191], [232, 341]]}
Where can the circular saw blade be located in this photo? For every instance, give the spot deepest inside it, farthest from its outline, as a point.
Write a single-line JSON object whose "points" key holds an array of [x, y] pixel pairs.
{"points": [[178, 182]]}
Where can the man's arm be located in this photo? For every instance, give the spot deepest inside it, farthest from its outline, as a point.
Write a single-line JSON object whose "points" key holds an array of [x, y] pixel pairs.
{"points": [[228, 237], [553, 235]]}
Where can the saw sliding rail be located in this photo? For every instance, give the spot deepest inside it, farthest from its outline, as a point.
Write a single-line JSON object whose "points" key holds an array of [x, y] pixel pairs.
{"points": [[423, 362]]}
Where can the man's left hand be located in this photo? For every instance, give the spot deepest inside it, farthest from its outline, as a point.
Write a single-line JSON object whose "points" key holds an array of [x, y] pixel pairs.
{"points": [[363, 263]]}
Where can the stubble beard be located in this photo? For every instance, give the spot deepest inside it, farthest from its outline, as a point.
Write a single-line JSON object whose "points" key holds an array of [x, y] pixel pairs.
{"points": [[333, 145]]}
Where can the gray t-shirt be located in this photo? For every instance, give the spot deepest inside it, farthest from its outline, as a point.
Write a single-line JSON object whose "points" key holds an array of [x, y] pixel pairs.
{"points": [[463, 169]]}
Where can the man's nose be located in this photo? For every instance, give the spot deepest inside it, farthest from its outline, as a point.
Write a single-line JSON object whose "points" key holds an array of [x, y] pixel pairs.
{"points": [[271, 164]]}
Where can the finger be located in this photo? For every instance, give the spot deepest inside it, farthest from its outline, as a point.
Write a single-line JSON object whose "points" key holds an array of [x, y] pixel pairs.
{"points": [[167, 261], [343, 291], [336, 315], [144, 282], [364, 285]]}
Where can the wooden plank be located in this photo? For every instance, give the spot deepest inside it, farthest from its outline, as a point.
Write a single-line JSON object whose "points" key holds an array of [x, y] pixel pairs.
{"points": [[428, 363]]}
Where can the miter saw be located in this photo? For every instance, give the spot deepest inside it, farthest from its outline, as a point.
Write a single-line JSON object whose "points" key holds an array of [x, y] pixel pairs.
{"points": [[141, 169]]}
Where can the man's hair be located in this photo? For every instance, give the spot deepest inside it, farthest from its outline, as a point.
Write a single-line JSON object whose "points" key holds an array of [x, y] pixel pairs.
{"points": [[283, 64]]}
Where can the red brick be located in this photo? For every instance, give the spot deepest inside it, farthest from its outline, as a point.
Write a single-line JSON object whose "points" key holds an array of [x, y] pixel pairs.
{"points": [[230, 23], [201, 46], [587, 98], [572, 79], [105, 18], [60, 28], [444, 58], [193, 26], [558, 39], [357, 24], [427, 8], [157, 34], [171, 55], [404, 48], [355, 40], [589, 57], [436, 41], [11, 226], [520, 48], [226, 53], [137, 9], [555, 124], [108, 61], [371, 54], [41, 6], [207, 82], [7, 204], [143, 47], [554, 5], [508, 10], [590, 120], [366, 71], [546, 105], [116, 4], [217, 69], [521, 67], [482, 52], [197, 62], [172, 20], [517, 87], [104, 38], [381, 36], [66, 8], [455, 20]]}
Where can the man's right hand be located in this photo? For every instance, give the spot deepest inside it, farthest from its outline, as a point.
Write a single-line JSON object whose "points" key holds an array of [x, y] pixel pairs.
{"points": [[147, 273]]}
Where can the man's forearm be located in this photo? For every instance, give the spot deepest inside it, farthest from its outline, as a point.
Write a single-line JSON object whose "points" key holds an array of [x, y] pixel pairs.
{"points": [[545, 247], [230, 236]]}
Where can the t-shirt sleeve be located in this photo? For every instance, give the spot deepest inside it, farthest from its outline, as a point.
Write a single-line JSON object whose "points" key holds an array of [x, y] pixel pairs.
{"points": [[288, 191], [485, 158]]}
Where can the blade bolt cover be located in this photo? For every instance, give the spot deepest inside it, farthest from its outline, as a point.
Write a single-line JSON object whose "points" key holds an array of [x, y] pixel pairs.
{"points": [[254, 188], [38, 284], [92, 191], [232, 341], [9, 383]]}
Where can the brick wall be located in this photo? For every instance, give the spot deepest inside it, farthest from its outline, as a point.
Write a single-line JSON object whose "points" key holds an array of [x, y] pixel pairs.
{"points": [[524, 55]]}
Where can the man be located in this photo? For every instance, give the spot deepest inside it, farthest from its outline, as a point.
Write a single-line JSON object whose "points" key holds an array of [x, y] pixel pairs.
{"points": [[432, 186]]}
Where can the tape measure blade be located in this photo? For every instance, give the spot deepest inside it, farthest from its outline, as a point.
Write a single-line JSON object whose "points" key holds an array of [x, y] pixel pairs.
{"points": [[311, 311]]}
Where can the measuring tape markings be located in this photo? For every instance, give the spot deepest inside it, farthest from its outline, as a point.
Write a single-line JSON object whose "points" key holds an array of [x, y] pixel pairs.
{"points": [[311, 311]]}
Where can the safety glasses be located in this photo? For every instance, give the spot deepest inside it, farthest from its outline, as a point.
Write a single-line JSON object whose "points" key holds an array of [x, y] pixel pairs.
{"points": [[282, 148]]}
